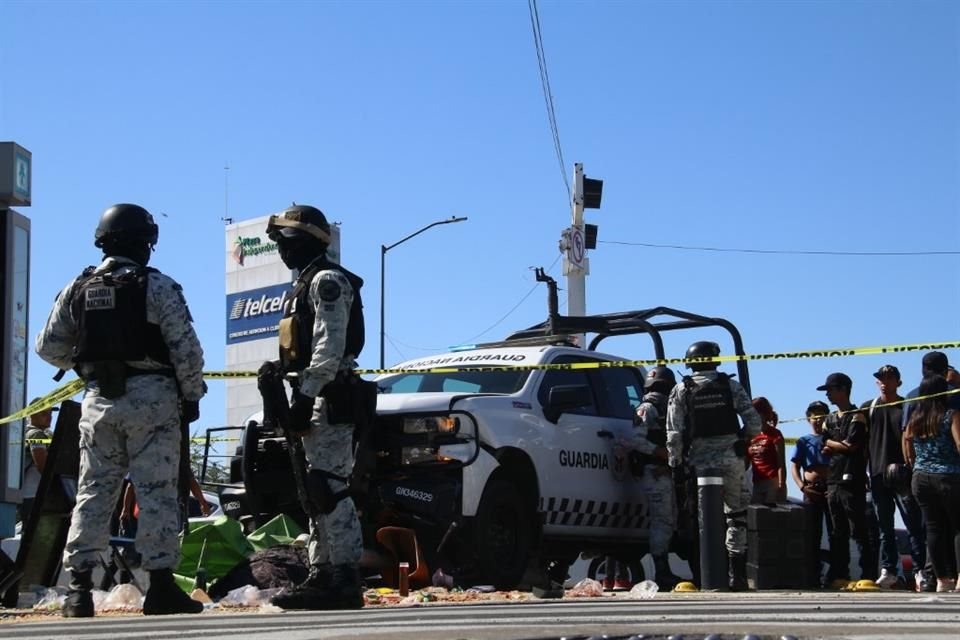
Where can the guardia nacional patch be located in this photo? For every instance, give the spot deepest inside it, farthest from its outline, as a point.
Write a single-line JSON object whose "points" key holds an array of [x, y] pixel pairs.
{"points": [[329, 290], [98, 298]]}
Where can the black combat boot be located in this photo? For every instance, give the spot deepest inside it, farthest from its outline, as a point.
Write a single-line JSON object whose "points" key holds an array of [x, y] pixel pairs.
{"points": [[666, 580], [737, 571], [79, 602], [327, 588], [164, 597]]}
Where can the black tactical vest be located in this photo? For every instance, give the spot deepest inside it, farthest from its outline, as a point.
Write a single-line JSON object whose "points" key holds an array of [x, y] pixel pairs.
{"points": [[299, 316], [111, 313], [658, 436], [712, 410]]}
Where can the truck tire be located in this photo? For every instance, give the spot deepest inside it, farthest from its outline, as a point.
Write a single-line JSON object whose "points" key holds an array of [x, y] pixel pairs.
{"points": [[503, 533]]}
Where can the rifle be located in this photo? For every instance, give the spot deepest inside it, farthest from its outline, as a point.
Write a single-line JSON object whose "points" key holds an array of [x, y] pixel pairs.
{"points": [[276, 416]]}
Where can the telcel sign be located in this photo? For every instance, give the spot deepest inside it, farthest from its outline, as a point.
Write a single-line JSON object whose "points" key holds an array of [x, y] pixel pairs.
{"points": [[255, 314]]}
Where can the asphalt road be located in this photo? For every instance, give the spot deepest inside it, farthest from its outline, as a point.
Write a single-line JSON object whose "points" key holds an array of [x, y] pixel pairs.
{"points": [[692, 616]]}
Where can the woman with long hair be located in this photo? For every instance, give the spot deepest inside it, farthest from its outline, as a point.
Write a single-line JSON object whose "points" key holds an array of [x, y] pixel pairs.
{"points": [[931, 445]]}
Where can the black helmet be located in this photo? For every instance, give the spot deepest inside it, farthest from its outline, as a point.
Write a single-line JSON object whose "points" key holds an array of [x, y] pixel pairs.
{"points": [[126, 223], [703, 349], [662, 375], [299, 221]]}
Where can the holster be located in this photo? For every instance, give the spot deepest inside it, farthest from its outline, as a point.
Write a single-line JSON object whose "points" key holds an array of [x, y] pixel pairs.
{"points": [[111, 377], [350, 400]]}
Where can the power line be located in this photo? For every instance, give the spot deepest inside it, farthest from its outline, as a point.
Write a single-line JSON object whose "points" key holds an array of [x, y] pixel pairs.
{"points": [[513, 308], [798, 252], [547, 92]]}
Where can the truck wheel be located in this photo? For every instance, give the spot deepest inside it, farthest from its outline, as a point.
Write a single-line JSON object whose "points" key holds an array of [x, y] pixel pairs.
{"points": [[504, 528]]}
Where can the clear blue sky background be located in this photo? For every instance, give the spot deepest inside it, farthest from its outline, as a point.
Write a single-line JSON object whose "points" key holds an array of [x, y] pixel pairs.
{"points": [[778, 125]]}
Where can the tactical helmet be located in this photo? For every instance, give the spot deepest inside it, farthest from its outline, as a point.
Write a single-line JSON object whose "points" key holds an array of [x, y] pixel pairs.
{"points": [[126, 223], [703, 349], [299, 221], [662, 375]]}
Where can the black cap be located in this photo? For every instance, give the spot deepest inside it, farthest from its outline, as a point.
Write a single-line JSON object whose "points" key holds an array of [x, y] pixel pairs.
{"points": [[886, 370], [837, 380], [819, 407], [936, 362]]}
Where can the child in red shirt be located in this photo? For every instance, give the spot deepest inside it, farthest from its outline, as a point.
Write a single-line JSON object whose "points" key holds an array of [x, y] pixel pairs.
{"points": [[766, 452]]}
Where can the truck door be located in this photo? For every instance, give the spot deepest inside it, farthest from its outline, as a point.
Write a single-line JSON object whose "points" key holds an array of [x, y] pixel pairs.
{"points": [[577, 487], [621, 394]]}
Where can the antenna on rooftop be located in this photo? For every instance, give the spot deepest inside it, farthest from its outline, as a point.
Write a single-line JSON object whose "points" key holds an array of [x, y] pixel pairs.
{"points": [[226, 194]]}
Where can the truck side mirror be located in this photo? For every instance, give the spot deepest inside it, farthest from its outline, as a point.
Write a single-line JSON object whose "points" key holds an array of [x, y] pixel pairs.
{"points": [[564, 397]]}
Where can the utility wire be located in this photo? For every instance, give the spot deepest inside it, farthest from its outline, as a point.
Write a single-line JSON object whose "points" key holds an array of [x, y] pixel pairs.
{"points": [[783, 251], [547, 92], [513, 308]]}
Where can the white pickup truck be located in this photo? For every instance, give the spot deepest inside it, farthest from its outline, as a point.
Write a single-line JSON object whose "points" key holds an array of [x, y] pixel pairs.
{"points": [[523, 461]]}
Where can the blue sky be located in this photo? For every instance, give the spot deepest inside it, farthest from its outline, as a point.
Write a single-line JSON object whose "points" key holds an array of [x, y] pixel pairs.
{"points": [[765, 125]]}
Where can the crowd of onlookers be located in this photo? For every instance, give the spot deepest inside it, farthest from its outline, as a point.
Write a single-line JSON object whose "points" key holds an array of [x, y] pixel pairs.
{"points": [[902, 452]]}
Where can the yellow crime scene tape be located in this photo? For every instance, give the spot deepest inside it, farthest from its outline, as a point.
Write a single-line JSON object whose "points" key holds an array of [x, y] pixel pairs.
{"points": [[74, 387]]}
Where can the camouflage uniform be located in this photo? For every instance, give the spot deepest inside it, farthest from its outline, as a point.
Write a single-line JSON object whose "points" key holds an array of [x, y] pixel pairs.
{"points": [[657, 478], [716, 452], [336, 539], [138, 432]]}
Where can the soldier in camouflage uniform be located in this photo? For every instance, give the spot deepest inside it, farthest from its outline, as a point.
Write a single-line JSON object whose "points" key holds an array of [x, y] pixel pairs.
{"points": [[703, 412], [127, 331], [651, 440], [321, 335]]}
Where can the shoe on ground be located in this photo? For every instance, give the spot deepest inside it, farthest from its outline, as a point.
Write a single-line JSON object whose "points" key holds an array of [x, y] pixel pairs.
{"points": [[923, 584], [944, 586], [887, 579], [622, 584], [341, 589], [608, 584], [165, 597], [79, 604]]}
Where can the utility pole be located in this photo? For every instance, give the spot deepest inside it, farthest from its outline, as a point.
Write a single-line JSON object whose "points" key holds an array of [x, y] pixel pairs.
{"points": [[577, 239]]}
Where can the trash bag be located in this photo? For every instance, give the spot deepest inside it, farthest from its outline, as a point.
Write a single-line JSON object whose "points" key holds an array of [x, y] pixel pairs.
{"points": [[124, 597], [586, 588], [218, 546], [644, 590], [271, 568]]}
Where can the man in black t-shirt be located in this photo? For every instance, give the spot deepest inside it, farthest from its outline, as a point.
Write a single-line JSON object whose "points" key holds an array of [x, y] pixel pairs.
{"points": [[891, 486], [844, 440]]}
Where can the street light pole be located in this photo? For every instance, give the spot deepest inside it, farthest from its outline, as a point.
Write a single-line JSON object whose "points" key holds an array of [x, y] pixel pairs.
{"points": [[383, 255]]}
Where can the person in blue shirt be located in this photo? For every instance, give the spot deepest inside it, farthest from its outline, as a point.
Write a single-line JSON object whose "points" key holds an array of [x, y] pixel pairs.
{"points": [[809, 471], [931, 445], [933, 363]]}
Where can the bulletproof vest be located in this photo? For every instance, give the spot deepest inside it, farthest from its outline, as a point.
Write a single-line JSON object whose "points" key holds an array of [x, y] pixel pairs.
{"points": [[658, 436], [711, 408], [111, 313], [296, 328]]}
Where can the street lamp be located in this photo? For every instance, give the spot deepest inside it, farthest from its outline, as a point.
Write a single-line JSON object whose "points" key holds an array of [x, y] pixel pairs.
{"points": [[383, 255]]}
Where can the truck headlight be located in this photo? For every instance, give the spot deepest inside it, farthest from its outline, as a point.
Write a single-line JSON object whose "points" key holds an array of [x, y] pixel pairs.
{"points": [[431, 424], [416, 455]]}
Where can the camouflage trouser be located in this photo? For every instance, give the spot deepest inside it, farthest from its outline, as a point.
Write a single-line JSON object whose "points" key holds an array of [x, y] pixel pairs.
{"points": [[139, 432], [657, 483], [720, 456], [336, 538]]}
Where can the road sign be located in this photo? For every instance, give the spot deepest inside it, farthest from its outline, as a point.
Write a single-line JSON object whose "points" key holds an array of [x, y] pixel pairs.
{"points": [[576, 249], [15, 178]]}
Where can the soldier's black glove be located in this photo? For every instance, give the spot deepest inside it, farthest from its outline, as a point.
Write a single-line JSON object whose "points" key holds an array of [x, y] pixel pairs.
{"points": [[300, 412], [190, 410]]}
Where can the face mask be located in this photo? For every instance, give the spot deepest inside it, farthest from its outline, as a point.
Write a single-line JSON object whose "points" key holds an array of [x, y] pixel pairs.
{"points": [[296, 253]]}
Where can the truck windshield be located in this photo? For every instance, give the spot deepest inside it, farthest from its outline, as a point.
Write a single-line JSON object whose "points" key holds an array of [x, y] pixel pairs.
{"points": [[456, 382]]}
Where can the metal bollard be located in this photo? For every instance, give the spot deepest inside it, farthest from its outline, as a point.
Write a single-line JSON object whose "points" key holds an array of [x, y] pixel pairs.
{"points": [[713, 531]]}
